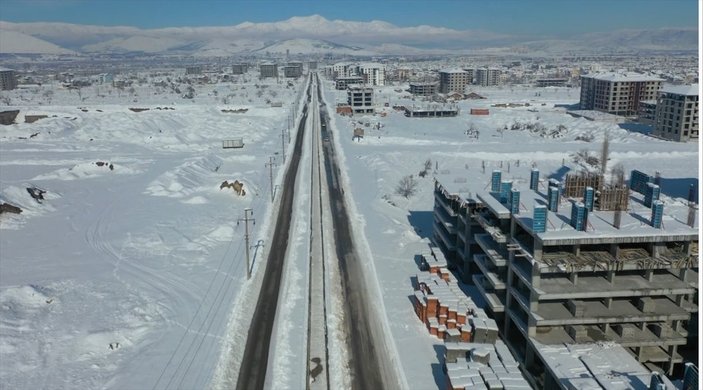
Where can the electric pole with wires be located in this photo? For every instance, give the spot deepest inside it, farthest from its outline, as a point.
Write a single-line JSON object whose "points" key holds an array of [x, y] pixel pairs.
{"points": [[270, 165], [247, 214]]}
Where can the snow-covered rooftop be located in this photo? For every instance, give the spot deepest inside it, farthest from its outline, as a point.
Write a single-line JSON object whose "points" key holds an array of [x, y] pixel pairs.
{"points": [[622, 76], [595, 366], [475, 186], [453, 70], [688, 90]]}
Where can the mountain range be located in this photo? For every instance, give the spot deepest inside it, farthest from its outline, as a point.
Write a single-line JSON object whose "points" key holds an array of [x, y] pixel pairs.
{"points": [[319, 36]]}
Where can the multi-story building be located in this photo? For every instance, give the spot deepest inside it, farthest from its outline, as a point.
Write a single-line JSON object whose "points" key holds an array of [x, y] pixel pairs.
{"points": [[360, 99], [571, 271], [342, 83], [453, 80], [423, 88], [8, 79], [240, 68], [342, 69], [647, 112], [488, 76], [268, 70], [373, 73], [194, 69], [677, 113], [312, 65], [293, 69], [551, 82], [472, 74], [617, 93]]}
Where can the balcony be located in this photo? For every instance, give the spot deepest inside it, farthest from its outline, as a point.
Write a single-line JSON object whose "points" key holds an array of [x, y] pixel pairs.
{"points": [[497, 281], [595, 312], [485, 241], [496, 304]]}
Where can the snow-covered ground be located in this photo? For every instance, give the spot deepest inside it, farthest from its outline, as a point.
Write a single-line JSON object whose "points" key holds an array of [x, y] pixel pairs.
{"points": [[149, 254], [396, 228], [144, 251]]}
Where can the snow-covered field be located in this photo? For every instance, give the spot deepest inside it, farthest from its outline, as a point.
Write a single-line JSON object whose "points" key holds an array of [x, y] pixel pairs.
{"points": [[397, 228], [144, 250], [149, 254]]}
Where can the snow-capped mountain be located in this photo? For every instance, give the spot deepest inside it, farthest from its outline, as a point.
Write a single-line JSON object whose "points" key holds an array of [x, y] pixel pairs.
{"points": [[319, 36]]}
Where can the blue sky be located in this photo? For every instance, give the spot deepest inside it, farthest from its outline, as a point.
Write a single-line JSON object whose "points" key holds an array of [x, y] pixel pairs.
{"points": [[533, 17]]}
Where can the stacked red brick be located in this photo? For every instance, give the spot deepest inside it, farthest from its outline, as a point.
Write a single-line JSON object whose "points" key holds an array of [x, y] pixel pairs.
{"points": [[440, 303]]}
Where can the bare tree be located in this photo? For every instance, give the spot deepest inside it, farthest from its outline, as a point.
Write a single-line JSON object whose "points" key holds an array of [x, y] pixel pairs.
{"points": [[407, 186]]}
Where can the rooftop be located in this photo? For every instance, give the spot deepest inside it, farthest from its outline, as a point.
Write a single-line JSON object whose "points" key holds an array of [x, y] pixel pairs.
{"points": [[622, 76], [634, 222], [455, 70], [688, 90], [595, 366]]}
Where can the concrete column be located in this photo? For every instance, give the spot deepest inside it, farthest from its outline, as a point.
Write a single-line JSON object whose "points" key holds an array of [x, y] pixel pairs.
{"points": [[683, 273], [676, 325], [679, 300], [657, 249], [649, 274], [687, 248], [610, 276], [531, 326], [537, 250], [615, 250], [574, 277], [529, 356], [534, 301], [670, 366], [642, 325], [604, 328], [608, 302], [639, 354], [535, 275], [577, 249]]}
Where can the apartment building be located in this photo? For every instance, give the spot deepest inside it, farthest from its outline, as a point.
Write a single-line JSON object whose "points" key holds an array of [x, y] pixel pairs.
{"points": [[677, 113], [423, 88], [555, 267], [488, 76], [8, 79], [453, 80], [360, 99], [240, 68], [617, 93], [293, 70], [373, 73], [194, 70], [268, 70]]}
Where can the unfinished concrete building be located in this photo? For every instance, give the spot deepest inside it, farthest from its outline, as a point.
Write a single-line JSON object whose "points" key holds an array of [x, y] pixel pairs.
{"points": [[360, 99], [268, 70], [581, 269]]}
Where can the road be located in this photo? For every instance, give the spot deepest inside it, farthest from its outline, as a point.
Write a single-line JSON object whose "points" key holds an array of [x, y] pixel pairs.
{"points": [[252, 373], [365, 368]]}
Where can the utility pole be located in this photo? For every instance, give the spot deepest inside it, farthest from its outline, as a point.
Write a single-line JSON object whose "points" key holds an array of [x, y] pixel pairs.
{"points": [[247, 213], [270, 164], [283, 143]]}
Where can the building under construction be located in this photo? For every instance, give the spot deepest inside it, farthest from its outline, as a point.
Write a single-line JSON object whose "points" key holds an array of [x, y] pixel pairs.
{"points": [[575, 261]]}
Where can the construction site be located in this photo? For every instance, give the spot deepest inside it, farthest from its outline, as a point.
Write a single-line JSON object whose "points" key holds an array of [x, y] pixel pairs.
{"points": [[575, 259]]}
